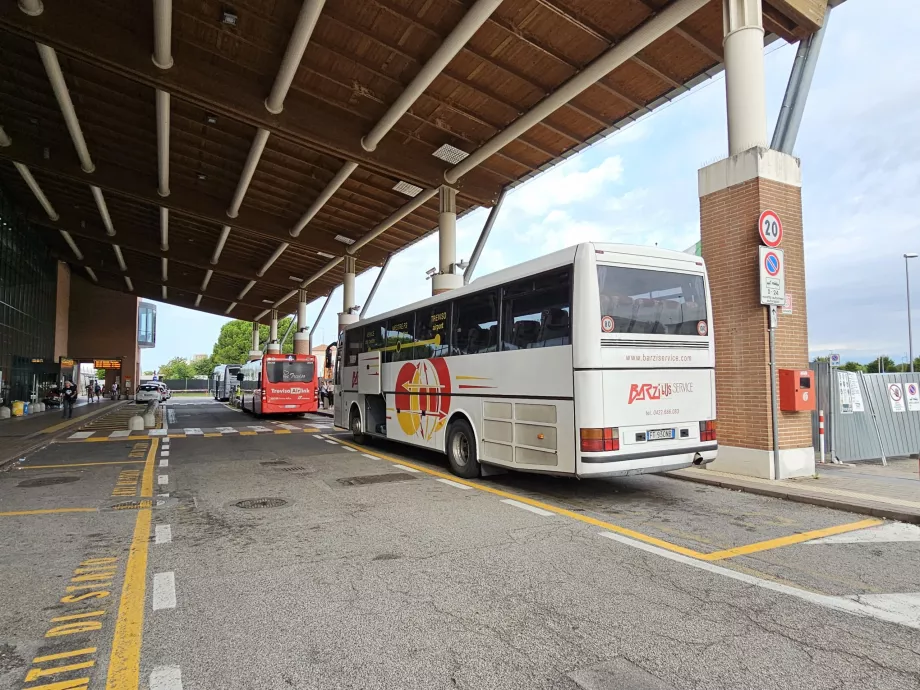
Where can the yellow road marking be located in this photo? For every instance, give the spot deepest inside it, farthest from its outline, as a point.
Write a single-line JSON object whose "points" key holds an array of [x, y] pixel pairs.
{"points": [[716, 555], [147, 481], [124, 662], [282, 431], [48, 511], [64, 655], [248, 433], [212, 435], [791, 539], [81, 464], [310, 431]]}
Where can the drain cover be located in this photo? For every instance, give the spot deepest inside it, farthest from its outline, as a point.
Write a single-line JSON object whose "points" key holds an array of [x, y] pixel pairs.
{"points": [[251, 503], [292, 468], [269, 463], [47, 481], [375, 479]]}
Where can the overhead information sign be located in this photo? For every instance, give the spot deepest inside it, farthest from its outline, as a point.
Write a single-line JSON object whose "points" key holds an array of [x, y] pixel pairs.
{"points": [[772, 277], [107, 363]]}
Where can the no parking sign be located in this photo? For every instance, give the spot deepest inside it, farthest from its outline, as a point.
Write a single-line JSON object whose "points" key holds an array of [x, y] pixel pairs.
{"points": [[772, 277]]}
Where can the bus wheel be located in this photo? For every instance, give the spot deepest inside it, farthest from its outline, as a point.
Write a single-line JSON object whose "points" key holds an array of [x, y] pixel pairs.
{"points": [[355, 425], [461, 450]]}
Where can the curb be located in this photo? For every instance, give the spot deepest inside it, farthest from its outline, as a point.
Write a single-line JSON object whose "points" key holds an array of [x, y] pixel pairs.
{"points": [[863, 508], [51, 438]]}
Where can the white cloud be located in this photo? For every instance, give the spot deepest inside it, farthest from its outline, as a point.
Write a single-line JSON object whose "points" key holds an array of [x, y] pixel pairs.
{"points": [[566, 184]]}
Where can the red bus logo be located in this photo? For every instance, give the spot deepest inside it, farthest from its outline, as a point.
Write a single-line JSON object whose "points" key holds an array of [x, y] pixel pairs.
{"points": [[423, 397]]}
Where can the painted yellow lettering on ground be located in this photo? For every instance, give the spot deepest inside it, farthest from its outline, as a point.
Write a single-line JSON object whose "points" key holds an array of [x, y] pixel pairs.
{"points": [[74, 628], [96, 576], [36, 673], [75, 684], [78, 616], [77, 588], [98, 561], [64, 655], [74, 598]]}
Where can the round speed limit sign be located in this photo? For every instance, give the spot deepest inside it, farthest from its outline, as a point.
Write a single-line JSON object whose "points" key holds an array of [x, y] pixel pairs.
{"points": [[771, 229]]}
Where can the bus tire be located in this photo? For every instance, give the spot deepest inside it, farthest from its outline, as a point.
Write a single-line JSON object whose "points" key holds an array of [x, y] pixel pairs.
{"points": [[354, 423], [461, 449]]}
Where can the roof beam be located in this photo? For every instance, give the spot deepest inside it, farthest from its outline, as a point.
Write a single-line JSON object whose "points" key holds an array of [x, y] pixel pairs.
{"points": [[305, 120], [142, 188], [135, 243]]}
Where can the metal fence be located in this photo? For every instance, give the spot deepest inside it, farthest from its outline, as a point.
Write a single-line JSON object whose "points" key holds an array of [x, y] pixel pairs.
{"points": [[867, 416]]}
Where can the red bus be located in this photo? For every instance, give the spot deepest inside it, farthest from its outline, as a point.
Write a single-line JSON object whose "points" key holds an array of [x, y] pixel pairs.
{"points": [[279, 384]]}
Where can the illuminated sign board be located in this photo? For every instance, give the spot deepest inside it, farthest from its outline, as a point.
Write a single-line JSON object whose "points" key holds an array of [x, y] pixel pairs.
{"points": [[107, 363], [65, 362]]}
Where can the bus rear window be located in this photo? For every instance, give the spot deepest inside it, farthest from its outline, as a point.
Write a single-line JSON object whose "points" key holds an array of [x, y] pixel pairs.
{"points": [[646, 301], [289, 372]]}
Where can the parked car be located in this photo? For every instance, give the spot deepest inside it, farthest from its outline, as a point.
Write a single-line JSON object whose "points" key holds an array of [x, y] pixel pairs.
{"points": [[148, 392]]}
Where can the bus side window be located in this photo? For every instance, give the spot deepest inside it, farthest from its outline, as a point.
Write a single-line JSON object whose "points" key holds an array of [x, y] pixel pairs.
{"points": [[400, 339], [476, 323], [432, 327], [535, 312]]}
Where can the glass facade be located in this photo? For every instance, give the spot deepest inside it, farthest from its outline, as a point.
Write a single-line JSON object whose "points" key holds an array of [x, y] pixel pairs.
{"points": [[28, 292], [146, 325]]}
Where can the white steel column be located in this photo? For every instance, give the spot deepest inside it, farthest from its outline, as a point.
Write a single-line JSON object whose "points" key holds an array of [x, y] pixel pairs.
{"points": [[348, 293], [446, 279], [745, 88], [274, 347], [302, 334], [254, 351]]}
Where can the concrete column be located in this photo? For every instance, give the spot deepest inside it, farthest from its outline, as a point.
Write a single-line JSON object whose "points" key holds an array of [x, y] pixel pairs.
{"points": [[445, 279], [348, 293], [733, 193], [745, 89], [274, 347], [302, 335], [254, 351]]}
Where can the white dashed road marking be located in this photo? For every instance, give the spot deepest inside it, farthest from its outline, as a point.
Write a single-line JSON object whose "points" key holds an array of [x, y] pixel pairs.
{"points": [[402, 467], [166, 678], [164, 453], [164, 591], [329, 440], [119, 434], [164, 462], [524, 506], [226, 430], [163, 479], [456, 485], [194, 431], [163, 534], [81, 434], [892, 532]]}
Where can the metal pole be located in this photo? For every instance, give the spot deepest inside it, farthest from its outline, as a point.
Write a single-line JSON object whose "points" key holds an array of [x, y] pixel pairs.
{"points": [[483, 237], [771, 315], [370, 297], [797, 107], [287, 332], [821, 434], [910, 335], [792, 86], [316, 323]]}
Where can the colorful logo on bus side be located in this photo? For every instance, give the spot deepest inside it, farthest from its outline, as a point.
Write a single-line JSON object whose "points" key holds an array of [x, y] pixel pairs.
{"points": [[423, 397]]}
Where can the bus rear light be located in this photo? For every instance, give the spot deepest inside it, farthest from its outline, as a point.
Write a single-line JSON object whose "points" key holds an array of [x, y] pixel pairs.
{"points": [[708, 430], [599, 440]]}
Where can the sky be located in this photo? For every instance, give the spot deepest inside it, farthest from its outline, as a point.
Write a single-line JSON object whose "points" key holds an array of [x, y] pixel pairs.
{"points": [[860, 150]]}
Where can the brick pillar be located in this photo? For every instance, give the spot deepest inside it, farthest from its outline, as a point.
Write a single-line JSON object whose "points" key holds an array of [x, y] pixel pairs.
{"points": [[733, 193]]}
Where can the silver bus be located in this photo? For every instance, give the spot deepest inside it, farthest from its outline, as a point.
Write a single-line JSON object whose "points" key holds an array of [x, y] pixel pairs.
{"points": [[223, 380]]}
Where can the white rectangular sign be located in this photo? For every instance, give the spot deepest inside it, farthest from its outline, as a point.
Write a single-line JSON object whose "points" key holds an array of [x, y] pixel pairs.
{"points": [[843, 392], [772, 277], [896, 397], [913, 396], [855, 392]]}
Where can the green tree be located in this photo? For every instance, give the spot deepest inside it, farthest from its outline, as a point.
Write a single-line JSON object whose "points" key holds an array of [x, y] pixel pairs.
{"points": [[853, 366], [881, 365], [203, 367], [148, 373], [100, 374], [176, 368], [822, 359], [235, 339]]}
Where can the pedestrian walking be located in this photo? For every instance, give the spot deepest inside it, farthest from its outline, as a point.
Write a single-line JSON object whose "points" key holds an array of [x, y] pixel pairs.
{"points": [[68, 398], [98, 392], [89, 391], [322, 394], [115, 391]]}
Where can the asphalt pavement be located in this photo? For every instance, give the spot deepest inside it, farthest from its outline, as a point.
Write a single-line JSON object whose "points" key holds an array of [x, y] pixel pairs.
{"points": [[298, 560]]}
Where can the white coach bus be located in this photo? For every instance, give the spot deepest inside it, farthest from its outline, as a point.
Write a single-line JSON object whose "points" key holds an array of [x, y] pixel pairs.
{"points": [[594, 361], [223, 380]]}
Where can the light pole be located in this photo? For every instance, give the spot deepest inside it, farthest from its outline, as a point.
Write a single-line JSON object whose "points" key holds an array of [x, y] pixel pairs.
{"points": [[910, 335]]}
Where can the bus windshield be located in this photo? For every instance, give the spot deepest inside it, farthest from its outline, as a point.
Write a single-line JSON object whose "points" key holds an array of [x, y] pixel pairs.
{"points": [[648, 301], [285, 372]]}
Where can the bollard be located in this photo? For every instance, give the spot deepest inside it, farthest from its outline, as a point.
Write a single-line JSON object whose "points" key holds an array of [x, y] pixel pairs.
{"points": [[136, 423], [4, 412], [821, 433]]}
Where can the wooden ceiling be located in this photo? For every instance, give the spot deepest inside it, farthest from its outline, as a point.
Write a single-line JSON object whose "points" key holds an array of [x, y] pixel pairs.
{"points": [[360, 57]]}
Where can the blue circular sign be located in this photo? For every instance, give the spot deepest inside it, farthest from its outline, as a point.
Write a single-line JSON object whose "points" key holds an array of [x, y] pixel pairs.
{"points": [[771, 263]]}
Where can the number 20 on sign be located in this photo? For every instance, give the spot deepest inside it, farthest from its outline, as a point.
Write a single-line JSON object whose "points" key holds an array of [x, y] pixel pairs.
{"points": [[770, 228]]}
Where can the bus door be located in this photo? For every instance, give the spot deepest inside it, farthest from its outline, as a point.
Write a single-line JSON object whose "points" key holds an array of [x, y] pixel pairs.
{"points": [[338, 405]]}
